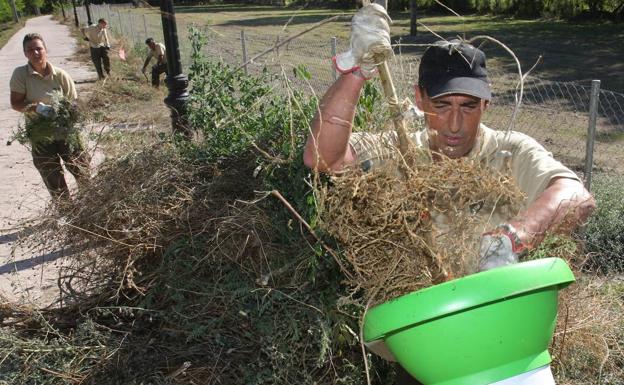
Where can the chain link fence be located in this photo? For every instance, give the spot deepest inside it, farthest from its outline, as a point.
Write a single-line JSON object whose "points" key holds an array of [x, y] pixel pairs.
{"points": [[554, 113]]}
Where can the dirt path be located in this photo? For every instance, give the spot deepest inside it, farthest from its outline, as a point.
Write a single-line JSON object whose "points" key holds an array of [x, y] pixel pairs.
{"points": [[28, 275]]}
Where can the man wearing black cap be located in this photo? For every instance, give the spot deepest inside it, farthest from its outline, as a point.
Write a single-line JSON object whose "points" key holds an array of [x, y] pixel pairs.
{"points": [[453, 92]]}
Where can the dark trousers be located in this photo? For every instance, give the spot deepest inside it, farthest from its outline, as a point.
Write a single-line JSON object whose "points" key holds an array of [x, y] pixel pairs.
{"points": [[47, 160], [158, 69], [404, 378], [99, 56]]}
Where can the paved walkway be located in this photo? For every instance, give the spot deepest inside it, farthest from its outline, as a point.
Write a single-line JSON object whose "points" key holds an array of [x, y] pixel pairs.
{"points": [[28, 275]]}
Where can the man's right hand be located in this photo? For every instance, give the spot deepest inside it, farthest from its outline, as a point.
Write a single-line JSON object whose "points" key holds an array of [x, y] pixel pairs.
{"points": [[370, 42], [143, 70]]}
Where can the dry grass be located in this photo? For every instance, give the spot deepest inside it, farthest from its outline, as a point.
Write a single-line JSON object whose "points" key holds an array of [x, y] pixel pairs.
{"points": [[588, 346], [402, 234]]}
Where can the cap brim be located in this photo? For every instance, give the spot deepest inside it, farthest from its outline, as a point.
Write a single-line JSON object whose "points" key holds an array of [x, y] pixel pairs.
{"points": [[461, 85]]}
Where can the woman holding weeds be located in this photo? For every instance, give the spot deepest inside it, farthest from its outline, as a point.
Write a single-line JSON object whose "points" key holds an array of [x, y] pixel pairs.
{"points": [[44, 94]]}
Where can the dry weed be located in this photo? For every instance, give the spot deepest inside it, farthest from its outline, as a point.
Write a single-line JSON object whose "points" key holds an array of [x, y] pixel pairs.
{"points": [[403, 234]]}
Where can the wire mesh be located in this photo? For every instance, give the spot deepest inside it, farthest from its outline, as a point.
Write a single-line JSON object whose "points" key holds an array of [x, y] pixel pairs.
{"points": [[554, 113]]}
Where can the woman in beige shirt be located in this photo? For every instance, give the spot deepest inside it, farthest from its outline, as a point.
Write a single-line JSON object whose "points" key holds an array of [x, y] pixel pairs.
{"points": [[32, 86]]}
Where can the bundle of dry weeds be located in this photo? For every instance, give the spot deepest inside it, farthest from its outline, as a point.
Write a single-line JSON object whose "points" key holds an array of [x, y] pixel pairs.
{"points": [[402, 234], [128, 215]]}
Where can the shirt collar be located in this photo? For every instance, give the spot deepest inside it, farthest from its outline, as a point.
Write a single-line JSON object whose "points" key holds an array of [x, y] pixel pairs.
{"points": [[31, 70]]}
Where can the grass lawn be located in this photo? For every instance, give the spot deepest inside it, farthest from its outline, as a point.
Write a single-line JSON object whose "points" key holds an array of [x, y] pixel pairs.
{"points": [[570, 51]]}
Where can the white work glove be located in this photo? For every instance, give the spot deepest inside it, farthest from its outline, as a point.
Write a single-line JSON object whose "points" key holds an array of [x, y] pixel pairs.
{"points": [[45, 110], [500, 247], [370, 42]]}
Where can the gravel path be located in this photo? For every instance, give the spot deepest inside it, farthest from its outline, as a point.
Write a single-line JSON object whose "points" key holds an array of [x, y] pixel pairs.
{"points": [[28, 275]]}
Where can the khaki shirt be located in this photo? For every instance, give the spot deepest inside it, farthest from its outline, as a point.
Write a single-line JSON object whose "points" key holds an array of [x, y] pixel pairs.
{"points": [[531, 166], [37, 88], [157, 51], [97, 37]]}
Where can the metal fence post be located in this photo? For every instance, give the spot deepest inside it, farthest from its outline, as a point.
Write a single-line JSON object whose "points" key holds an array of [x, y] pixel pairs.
{"points": [[132, 28], [120, 25], [108, 14], [244, 51], [591, 132], [333, 53], [145, 27]]}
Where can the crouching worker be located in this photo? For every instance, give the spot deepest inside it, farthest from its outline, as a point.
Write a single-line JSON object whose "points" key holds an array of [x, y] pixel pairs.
{"points": [[32, 88], [453, 91], [158, 51]]}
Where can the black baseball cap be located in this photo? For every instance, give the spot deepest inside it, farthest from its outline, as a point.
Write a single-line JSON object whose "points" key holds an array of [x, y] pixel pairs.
{"points": [[454, 67]]}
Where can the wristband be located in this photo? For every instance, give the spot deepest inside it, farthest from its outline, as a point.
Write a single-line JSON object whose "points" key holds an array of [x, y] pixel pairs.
{"points": [[517, 246], [357, 71]]}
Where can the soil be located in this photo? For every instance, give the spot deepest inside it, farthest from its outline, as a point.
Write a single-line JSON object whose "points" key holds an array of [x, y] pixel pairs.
{"points": [[29, 274]]}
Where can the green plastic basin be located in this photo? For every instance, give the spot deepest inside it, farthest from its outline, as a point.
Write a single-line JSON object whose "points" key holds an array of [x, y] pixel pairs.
{"points": [[475, 330]]}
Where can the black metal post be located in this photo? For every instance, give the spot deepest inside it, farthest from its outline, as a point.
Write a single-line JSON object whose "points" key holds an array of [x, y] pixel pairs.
{"points": [[89, 21], [177, 82], [75, 14]]}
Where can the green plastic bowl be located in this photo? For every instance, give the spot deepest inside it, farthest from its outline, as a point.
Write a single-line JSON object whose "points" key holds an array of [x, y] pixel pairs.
{"points": [[475, 330]]}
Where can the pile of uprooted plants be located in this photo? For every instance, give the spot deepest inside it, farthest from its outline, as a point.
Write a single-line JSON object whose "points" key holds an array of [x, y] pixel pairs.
{"points": [[189, 265]]}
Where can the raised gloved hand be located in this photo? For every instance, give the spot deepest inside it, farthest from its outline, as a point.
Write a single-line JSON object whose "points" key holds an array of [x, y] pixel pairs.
{"points": [[500, 247], [370, 42], [45, 110]]}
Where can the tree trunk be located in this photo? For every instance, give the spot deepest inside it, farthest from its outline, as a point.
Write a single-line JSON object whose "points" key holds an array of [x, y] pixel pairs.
{"points": [[413, 18], [15, 16]]}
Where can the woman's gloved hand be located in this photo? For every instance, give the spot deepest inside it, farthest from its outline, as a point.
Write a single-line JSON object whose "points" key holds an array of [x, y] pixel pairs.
{"points": [[45, 110]]}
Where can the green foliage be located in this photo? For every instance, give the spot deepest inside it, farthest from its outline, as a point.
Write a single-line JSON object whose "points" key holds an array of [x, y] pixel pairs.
{"points": [[237, 114], [368, 105], [224, 105], [6, 13], [604, 233], [555, 245], [40, 130]]}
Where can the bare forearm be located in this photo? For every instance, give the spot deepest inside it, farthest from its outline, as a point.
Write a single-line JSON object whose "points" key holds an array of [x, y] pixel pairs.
{"points": [[327, 147], [19, 103], [563, 206]]}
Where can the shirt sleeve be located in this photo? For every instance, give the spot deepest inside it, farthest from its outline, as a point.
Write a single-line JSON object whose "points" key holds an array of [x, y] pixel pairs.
{"points": [[107, 43], [534, 167], [18, 83], [68, 86]]}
